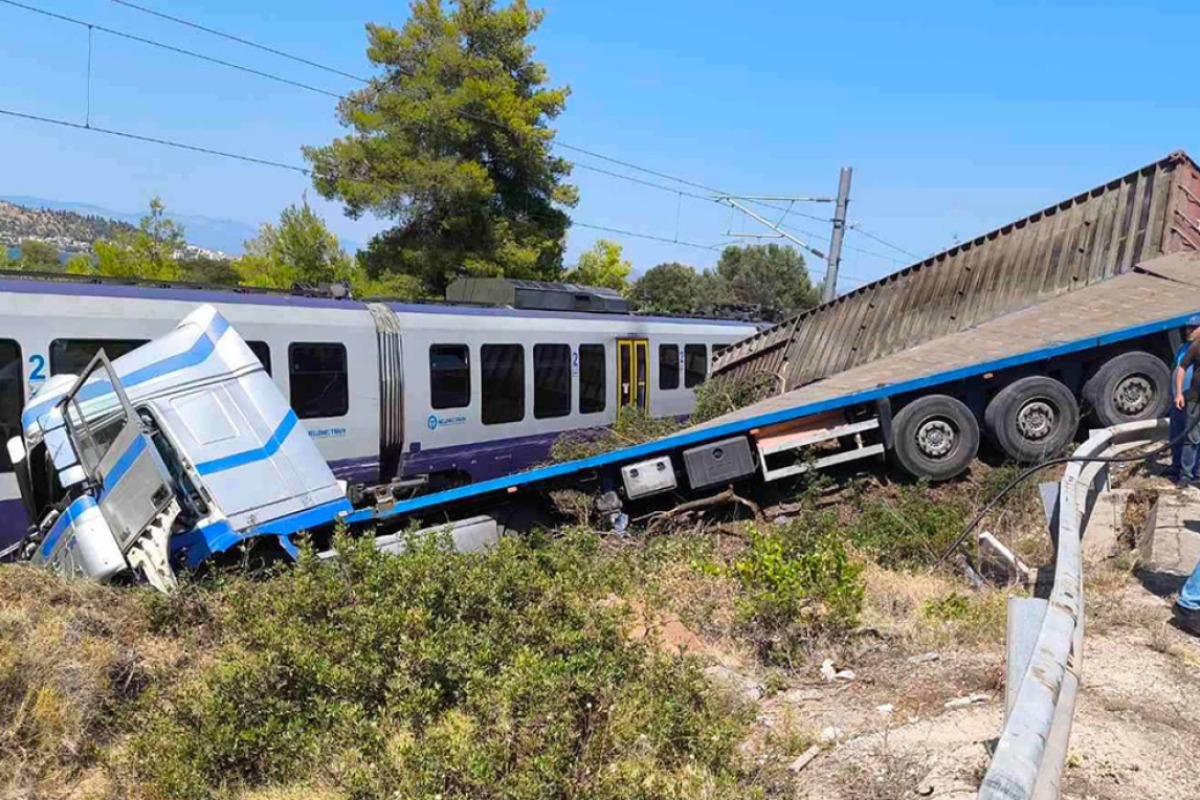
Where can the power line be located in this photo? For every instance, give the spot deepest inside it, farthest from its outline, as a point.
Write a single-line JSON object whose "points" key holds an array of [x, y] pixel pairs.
{"points": [[645, 236], [280, 165], [307, 87], [240, 40], [855, 227], [152, 140], [556, 143], [172, 48], [317, 90]]}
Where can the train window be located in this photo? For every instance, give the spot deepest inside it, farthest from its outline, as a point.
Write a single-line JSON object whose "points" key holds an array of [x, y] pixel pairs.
{"points": [[551, 380], [318, 381], [695, 365], [449, 376], [668, 366], [593, 385], [262, 352], [12, 396], [503, 369], [72, 356]]}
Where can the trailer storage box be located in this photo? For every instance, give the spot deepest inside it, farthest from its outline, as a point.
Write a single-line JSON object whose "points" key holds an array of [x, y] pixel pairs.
{"points": [[648, 477], [718, 462]]}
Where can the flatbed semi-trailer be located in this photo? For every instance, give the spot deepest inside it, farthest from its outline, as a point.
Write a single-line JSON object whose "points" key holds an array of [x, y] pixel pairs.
{"points": [[1026, 379], [151, 463]]}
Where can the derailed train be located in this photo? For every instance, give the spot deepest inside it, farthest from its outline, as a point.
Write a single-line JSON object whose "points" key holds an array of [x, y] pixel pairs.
{"points": [[391, 393]]}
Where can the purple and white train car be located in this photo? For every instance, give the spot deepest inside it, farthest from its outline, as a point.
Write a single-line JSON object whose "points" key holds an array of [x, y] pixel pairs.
{"points": [[389, 392]]}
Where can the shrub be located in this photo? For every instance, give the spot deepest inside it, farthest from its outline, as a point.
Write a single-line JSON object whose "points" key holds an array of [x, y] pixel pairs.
{"points": [[435, 673], [633, 426], [913, 529], [725, 394], [797, 580]]}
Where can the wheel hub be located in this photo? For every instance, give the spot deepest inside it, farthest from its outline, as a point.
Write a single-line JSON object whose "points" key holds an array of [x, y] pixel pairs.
{"points": [[1133, 394], [1035, 420], [935, 437]]}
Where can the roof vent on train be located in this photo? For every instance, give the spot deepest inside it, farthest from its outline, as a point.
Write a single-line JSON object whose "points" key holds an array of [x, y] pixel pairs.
{"points": [[539, 295]]}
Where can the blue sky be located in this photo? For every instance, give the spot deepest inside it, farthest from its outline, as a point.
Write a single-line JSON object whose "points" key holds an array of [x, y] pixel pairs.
{"points": [[957, 117]]}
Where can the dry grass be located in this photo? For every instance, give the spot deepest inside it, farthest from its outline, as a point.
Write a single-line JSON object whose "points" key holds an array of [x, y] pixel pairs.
{"points": [[70, 654], [887, 774], [1109, 602], [904, 606]]}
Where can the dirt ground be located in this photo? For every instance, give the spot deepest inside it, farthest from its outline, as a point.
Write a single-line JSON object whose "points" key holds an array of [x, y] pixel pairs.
{"points": [[922, 724]]}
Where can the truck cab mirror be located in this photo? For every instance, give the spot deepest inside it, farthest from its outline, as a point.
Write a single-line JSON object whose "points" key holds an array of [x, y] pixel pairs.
{"points": [[72, 476], [61, 450], [16, 450]]}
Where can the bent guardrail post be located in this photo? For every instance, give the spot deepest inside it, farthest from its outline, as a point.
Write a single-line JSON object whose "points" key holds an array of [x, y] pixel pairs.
{"points": [[1032, 749]]}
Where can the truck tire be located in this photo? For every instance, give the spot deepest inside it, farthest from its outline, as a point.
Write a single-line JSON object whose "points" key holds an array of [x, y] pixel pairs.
{"points": [[1129, 388], [1032, 419], [936, 437]]}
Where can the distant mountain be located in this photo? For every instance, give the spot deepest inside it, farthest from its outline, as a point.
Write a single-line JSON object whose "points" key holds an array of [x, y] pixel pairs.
{"points": [[71, 231], [225, 235]]}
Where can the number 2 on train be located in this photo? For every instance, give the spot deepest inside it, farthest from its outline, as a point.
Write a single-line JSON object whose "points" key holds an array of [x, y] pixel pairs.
{"points": [[38, 362]]}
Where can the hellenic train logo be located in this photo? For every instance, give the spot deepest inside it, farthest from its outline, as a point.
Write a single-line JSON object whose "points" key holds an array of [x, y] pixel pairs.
{"points": [[434, 422]]}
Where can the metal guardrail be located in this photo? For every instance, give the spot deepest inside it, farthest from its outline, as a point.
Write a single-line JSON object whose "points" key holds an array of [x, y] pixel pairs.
{"points": [[1045, 636]]}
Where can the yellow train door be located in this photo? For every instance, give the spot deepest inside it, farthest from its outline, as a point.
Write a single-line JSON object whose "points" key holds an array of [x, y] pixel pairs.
{"points": [[633, 373]]}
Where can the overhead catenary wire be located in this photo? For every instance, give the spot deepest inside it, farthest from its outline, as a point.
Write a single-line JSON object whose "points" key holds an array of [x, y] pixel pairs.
{"points": [[556, 143], [231, 37], [172, 48], [284, 166], [333, 70]]}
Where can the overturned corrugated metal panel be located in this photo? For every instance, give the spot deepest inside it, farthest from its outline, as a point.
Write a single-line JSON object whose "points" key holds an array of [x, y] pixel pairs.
{"points": [[1089, 238]]}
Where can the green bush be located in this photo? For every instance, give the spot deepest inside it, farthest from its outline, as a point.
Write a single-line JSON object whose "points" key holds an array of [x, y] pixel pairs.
{"points": [[633, 426], [797, 580], [725, 394], [501, 674], [912, 529]]}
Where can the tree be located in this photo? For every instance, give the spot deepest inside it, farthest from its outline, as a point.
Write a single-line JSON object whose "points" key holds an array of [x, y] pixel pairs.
{"points": [[770, 275], [301, 249], [39, 255], [452, 143], [602, 266], [670, 288], [151, 251], [205, 269]]}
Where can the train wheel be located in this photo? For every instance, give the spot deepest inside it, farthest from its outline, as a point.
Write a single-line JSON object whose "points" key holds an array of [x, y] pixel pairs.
{"points": [[936, 437], [1033, 418], [1128, 388]]}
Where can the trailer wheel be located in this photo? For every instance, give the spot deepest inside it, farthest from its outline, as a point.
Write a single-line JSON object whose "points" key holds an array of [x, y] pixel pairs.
{"points": [[936, 437], [1032, 418], [1128, 388]]}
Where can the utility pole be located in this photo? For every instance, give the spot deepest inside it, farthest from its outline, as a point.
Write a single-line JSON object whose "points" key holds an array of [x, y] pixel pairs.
{"points": [[829, 291]]}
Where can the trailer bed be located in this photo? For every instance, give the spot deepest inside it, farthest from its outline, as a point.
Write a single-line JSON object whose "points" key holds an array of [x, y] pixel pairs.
{"points": [[1158, 295]]}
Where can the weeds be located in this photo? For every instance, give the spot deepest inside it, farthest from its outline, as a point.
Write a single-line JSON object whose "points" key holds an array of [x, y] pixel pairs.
{"points": [[498, 674], [796, 581]]}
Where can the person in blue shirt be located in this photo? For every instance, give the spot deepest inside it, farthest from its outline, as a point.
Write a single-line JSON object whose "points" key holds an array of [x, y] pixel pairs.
{"points": [[1187, 406], [1178, 415]]}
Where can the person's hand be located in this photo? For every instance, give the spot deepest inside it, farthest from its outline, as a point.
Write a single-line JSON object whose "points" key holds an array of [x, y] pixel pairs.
{"points": [[1179, 401]]}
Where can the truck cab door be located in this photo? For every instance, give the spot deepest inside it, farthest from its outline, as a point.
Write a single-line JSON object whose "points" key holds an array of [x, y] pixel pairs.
{"points": [[132, 485]]}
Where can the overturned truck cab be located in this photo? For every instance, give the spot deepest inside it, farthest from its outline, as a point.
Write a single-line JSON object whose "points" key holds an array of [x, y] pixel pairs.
{"points": [[174, 453]]}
